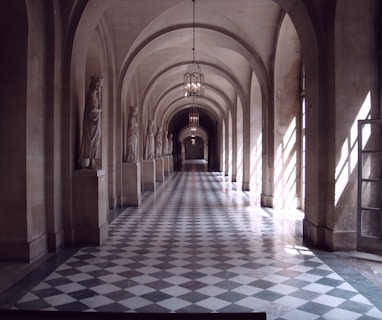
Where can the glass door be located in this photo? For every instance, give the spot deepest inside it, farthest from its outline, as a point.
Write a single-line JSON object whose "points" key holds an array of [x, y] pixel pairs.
{"points": [[369, 233]]}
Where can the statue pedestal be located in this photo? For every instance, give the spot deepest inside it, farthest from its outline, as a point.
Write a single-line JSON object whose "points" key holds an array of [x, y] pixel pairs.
{"points": [[166, 165], [148, 175], [159, 169], [89, 207], [171, 163], [131, 184]]}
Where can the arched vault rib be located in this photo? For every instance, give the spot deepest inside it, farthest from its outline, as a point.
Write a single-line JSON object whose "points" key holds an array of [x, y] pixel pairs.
{"points": [[216, 69], [163, 106], [158, 37], [175, 87], [177, 105], [221, 112], [237, 45], [213, 109], [302, 15], [173, 64], [200, 132], [177, 90]]}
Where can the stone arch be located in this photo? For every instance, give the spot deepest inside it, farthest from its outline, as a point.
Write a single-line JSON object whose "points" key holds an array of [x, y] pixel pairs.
{"points": [[306, 22], [239, 44], [199, 132], [254, 158], [287, 118], [88, 48], [305, 19]]}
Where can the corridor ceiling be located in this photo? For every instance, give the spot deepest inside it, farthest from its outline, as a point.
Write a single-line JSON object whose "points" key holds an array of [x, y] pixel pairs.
{"points": [[153, 47]]}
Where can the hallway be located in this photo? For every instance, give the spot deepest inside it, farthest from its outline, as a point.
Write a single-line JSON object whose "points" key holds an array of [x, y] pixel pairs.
{"points": [[198, 244]]}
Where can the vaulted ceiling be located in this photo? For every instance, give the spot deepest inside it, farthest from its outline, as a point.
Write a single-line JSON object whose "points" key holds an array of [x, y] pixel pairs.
{"points": [[153, 46]]}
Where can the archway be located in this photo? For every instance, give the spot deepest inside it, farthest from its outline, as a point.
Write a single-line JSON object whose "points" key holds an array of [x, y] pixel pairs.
{"points": [[304, 18]]}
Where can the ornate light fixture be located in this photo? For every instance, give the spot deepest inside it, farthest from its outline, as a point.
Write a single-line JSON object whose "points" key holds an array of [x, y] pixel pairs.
{"points": [[193, 78], [193, 117]]}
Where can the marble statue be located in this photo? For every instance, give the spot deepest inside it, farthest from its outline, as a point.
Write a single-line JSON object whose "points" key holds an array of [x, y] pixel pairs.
{"points": [[132, 135], [170, 144], [150, 142], [158, 143], [165, 143], [91, 131]]}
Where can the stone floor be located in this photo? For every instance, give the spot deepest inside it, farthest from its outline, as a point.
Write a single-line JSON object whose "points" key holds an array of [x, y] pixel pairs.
{"points": [[198, 244]]}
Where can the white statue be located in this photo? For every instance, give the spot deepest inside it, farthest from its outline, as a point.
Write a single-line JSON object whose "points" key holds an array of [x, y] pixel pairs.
{"points": [[132, 135], [165, 143], [170, 144], [150, 141], [158, 143], [91, 131]]}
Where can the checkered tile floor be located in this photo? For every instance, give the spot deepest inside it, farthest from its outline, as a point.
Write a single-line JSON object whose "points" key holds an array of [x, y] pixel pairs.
{"points": [[198, 245]]}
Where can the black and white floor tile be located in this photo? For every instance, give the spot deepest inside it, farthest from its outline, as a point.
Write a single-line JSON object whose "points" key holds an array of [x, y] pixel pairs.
{"points": [[198, 245]]}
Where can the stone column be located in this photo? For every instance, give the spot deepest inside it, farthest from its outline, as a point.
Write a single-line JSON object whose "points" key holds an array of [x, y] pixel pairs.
{"points": [[246, 151], [90, 207], [234, 146], [131, 184]]}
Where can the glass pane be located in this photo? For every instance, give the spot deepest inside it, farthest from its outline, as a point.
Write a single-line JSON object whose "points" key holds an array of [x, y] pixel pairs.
{"points": [[371, 138], [371, 194], [370, 223], [371, 168]]}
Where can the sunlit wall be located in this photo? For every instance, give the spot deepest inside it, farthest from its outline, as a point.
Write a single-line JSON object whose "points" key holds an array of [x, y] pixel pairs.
{"points": [[256, 139], [287, 135], [239, 137], [355, 99]]}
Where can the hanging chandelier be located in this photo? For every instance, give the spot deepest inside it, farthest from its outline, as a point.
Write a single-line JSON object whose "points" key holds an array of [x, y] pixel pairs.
{"points": [[193, 118], [193, 78]]}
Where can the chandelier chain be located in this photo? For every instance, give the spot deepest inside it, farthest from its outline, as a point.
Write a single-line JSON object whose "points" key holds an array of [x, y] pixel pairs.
{"points": [[193, 30], [193, 78]]}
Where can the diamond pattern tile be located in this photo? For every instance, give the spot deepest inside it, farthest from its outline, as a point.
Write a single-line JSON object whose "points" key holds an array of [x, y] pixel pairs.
{"points": [[198, 245]]}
